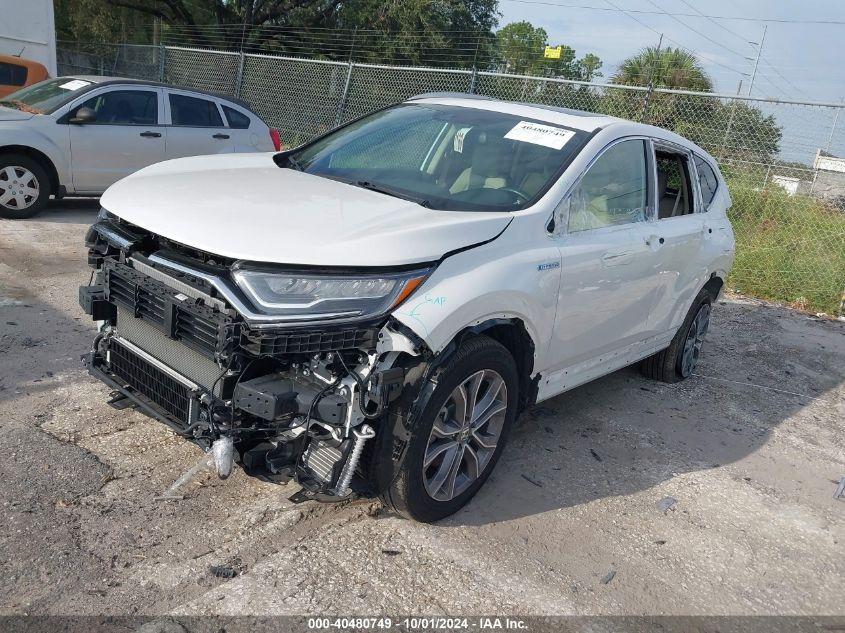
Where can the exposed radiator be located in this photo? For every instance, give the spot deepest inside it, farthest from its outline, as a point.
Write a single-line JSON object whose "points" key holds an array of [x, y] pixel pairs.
{"points": [[178, 356], [320, 458]]}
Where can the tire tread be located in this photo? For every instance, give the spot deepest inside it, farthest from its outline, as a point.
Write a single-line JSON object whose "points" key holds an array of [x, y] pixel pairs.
{"points": [[397, 496], [662, 365]]}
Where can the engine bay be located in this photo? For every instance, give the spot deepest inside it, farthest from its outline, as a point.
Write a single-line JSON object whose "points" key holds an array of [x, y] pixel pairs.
{"points": [[301, 401]]}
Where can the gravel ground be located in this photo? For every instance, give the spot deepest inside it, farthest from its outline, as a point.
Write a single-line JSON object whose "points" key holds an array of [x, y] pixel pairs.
{"points": [[571, 522]]}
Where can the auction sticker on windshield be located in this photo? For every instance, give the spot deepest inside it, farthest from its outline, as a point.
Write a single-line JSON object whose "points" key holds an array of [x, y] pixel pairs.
{"points": [[539, 134], [76, 84]]}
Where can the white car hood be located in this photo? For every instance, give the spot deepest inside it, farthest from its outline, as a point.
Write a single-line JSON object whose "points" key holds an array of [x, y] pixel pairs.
{"points": [[11, 114], [245, 207]]}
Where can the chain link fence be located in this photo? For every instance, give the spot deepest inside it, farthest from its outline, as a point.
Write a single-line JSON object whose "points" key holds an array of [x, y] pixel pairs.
{"points": [[781, 158]]}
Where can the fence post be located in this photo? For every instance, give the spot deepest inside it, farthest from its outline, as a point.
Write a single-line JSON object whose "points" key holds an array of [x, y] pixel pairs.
{"points": [[341, 106], [472, 79], [239, 77], [162, 51], [646, 101]]}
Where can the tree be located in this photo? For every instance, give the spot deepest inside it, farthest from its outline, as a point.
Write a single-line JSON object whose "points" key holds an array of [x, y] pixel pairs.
{"points": [[664, 68], [735, 130], [451, 31], [522, 51], [191, 16], [431, 32], [521, 47], [94, 21], [588, 67]]}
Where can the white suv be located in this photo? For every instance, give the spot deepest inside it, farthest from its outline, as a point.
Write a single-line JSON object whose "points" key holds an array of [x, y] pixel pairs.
{"points": [[369, 313], [78, 135]]}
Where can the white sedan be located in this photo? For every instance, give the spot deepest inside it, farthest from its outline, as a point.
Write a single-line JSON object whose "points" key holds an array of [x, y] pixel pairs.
{"points": [[79, 135]]}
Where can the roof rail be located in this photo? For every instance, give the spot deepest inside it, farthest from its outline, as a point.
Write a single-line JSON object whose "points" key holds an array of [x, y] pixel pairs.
{"points": [[452, 95]]}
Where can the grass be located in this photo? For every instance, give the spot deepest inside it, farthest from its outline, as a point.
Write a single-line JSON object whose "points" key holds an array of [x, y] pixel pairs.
{"points": [[788, 248]]}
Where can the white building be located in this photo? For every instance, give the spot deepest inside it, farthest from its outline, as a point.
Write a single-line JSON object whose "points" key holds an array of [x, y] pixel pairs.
{"points": [[829, 181], [28, 30]]}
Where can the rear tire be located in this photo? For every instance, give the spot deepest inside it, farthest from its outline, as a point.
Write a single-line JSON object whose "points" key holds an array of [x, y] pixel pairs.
{"points": [[24, 186], [678, 361], [427, 488]]}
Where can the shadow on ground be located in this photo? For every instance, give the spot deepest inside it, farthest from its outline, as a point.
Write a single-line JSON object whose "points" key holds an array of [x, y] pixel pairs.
{"points": [[624, 433], [70, 210]]}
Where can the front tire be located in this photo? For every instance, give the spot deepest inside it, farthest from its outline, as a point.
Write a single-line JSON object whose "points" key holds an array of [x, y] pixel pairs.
{"points": [[24, 186], [460, 433], [678, 361]]}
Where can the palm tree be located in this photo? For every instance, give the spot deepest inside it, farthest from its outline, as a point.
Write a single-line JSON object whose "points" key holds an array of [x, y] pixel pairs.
{"points": [[665, 68]]}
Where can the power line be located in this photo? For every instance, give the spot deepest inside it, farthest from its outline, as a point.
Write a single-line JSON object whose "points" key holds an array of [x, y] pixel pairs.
{"points": [[707, 37], [636, 19], [779, 74], [683, 15], [719, 24]]}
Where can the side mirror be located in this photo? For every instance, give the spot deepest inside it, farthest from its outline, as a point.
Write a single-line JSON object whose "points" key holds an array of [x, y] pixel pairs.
{"points": [[83, 115]]}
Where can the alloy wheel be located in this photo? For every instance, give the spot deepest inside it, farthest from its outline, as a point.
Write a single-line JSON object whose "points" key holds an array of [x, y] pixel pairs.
{"points": [[465, 434], [694, 340], [19, 187]]}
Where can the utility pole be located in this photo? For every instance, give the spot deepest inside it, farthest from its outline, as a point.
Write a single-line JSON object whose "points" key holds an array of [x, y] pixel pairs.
{"points": [[757, 59], [833, 127], [730, 121], [657, 59]]}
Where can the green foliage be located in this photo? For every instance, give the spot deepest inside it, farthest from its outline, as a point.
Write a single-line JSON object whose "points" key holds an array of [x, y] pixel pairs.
{"points": [[788, 248], [664, 68], [521, 48], [98, 21], [733, 130]]}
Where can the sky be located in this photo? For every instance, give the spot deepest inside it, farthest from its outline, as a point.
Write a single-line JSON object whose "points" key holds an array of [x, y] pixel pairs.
{"points": [[798, 61]]}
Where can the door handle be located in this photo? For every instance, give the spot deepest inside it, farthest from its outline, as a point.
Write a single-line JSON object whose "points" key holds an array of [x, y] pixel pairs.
{"points": [[151, 134], [617, 258], [220, 136]]}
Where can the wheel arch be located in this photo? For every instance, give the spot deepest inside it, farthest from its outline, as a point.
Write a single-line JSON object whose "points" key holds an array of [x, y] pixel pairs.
{"points": [[511, 333], [715, 284], [41, 158]]}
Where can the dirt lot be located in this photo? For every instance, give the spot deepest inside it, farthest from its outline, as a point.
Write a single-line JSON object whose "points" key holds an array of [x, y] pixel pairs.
{"points": [[751, 450]]}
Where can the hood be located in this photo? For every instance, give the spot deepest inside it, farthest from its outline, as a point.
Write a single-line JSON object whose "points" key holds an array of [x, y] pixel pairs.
{"points": [[245, 207], [11, 114]]}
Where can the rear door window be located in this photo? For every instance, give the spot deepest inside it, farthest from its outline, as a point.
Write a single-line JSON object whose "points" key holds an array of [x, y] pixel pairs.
{"points": [[237, 120], [674, 184], [125, 107], [194, 112]]}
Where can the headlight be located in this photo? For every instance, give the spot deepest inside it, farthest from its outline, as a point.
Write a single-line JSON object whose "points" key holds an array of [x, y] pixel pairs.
{"points": [[327, 296]]}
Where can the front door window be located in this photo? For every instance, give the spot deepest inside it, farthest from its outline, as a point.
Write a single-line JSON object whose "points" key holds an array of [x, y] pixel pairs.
{"points": [[613, 191]]}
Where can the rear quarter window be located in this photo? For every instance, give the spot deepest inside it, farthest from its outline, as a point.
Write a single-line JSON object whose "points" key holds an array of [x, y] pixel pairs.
{"points": [[707, 180], [12, 74], [237, 120]]}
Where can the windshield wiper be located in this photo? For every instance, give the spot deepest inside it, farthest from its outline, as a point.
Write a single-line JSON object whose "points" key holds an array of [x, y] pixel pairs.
{"points": [[294, 163], [366, 184]]}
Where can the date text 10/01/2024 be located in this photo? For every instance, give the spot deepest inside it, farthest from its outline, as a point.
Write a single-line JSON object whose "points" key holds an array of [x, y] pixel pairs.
{"points": [[424, 623]]}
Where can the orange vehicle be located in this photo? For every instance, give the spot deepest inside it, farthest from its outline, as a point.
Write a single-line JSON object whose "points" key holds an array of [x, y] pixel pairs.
{"points": [[15, 73]]}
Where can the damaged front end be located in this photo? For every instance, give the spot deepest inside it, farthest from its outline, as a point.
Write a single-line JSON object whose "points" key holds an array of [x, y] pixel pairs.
{"points": [[289, 373]]}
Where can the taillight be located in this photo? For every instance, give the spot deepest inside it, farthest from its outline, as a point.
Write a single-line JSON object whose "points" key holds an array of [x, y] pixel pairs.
{"points": [[277, 141]]}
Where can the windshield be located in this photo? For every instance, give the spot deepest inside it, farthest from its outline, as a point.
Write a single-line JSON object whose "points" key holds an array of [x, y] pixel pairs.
{"points": [[446, 157], [45, 96]]}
